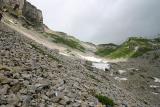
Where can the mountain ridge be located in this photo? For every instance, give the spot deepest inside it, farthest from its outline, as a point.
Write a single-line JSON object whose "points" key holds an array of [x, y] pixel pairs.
{"points": [[132, 47]]}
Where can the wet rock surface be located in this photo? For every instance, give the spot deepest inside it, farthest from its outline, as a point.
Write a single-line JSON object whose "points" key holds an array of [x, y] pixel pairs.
{"points": [[34, 76]]}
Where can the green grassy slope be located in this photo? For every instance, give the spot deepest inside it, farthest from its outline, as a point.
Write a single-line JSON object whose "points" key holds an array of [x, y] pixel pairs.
{"points": [[105, 49], [68, 41], [133, 47]]}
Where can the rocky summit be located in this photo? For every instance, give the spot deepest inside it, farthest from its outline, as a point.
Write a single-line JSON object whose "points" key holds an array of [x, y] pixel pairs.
{"points": [[45, 68]]}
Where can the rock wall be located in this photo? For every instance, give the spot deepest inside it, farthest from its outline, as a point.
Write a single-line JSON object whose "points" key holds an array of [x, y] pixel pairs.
{"points": [[30, 12], [12, 3]]}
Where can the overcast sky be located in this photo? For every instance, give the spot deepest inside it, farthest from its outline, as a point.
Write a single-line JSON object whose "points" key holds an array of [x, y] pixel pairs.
{"points": [[102, 21]]}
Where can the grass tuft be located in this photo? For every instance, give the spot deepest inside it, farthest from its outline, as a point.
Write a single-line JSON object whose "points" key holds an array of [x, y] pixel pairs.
{"points": [[105, 100]]}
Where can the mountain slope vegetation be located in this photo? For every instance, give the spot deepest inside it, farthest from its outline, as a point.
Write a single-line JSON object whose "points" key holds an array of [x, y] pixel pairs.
{"points": [[105, 49], [133, 47], [65, 40]]}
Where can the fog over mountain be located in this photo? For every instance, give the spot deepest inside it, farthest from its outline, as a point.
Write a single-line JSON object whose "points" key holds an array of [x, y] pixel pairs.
{"points": [[102, 21]]}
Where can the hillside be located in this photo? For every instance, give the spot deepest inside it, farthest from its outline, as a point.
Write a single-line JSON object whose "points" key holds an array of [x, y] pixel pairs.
{"points": [[40, 67], [31, 18], [39, 76], [133, 47], [105, 49], [65, 40]]}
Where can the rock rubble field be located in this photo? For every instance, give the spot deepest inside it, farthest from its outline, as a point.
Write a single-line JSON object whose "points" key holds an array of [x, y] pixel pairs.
{"points": [[32, 75]]}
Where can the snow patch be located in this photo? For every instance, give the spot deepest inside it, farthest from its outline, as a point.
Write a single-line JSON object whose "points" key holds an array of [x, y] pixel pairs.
{"points": [[97, 62], [91, 58], [121, 71], [101, 65], [154, 86], [64, 54], [120, 79], [154, 93], [133, 69], [156, 79]]}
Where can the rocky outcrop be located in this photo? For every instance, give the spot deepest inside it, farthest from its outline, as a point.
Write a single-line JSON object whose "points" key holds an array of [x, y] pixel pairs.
{"points": [[30, 12], [12, 3]]}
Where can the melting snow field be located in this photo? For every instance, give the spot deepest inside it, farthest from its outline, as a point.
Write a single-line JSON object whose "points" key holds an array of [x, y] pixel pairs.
{"points": [[91, 58], [101, 65], [97, 62]]}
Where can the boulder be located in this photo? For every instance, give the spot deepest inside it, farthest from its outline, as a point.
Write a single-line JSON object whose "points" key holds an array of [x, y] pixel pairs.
{"points": [[26, 100], [13, 99], [4, 89]]}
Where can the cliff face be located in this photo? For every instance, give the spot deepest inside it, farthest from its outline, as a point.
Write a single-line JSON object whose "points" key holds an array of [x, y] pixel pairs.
{"points": [[30, 12], [12, 3]]}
